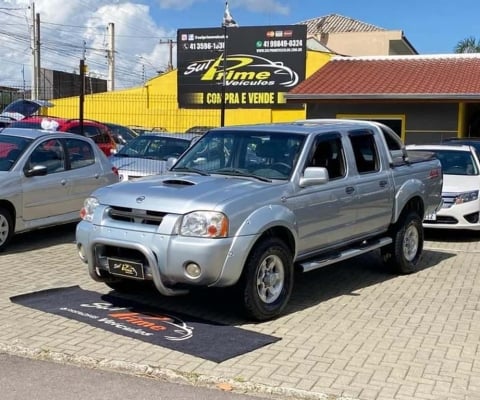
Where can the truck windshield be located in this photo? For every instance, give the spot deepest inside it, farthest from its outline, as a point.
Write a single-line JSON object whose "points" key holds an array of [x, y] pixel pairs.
{"points": [[268, 155]]}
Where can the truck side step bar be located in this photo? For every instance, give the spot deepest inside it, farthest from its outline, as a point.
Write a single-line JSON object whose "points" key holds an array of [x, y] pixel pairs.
{"points": [[349, 252]]}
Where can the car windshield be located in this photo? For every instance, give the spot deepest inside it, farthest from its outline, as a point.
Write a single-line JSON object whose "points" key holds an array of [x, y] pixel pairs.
{"points": [[11, 148], [154, 147], [265, 155], [457, 162]]}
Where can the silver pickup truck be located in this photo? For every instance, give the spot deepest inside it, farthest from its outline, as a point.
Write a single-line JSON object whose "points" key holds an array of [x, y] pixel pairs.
{"points": [[247, 205]]}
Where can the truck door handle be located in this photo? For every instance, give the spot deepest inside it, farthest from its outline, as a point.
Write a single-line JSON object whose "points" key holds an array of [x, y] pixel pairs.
{"points": [[383, 184], [349, 189]]}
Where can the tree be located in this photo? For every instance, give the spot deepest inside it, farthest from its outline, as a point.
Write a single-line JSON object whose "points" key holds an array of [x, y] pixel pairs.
{"points": [[468, 45]]}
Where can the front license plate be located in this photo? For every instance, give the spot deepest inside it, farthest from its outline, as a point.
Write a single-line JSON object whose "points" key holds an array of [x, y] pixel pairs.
{"points": [[431, 217], [125, 268]]}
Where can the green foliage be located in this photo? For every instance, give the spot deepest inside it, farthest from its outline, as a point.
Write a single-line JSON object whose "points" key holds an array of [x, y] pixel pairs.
{"points": [[468, 45]]}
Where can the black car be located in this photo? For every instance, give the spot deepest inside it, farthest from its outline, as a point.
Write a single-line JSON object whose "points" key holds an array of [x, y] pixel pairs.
{"points": [[121, 134]]}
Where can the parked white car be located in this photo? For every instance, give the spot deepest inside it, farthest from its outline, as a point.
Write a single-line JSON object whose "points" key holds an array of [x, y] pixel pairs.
{"points": [[148, 154], [45, 177], [461, 186]]}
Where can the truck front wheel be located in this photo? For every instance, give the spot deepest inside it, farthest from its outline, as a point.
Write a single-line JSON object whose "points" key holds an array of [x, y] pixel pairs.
{"points": [[406, 249], [267, 280]]}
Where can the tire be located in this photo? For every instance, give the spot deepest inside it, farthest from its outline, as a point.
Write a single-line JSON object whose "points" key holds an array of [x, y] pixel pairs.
{"points": [[6, 228], [267, 280], [403, 255]]}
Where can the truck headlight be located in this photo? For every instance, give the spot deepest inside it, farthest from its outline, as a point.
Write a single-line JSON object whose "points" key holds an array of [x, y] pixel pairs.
{"points": [[89, 206], [204, 224], [466, 197]]}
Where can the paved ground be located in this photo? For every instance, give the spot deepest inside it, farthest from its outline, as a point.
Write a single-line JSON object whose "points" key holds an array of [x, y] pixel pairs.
{"points": [[351, 331]]}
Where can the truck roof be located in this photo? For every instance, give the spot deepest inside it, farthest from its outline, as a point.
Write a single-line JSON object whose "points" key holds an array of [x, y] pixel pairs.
{"points": [[305, 126]]}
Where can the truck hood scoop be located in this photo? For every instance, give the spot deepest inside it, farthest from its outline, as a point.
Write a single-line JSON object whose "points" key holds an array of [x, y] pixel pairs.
{"points": [[178, 182]]}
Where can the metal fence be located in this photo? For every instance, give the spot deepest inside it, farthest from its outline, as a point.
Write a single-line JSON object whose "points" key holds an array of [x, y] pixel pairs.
{"points": [[140, 107]]}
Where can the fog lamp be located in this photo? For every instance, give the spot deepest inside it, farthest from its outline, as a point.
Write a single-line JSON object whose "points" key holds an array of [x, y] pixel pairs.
{"points": [[193, 270]]}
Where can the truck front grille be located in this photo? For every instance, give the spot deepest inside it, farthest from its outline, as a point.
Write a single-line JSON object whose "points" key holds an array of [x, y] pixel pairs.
{"points": [[135, 215]]}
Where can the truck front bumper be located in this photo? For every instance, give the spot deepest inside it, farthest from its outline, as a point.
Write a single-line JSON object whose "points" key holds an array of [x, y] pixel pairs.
{"points": [[163, 258]]}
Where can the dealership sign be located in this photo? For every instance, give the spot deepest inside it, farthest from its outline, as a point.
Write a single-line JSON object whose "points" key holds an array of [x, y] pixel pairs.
{"points": [[251, 66]]}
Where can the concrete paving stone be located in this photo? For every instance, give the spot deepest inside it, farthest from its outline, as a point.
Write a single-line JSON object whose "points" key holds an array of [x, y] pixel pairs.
{"points": [[371, 393], [343, 381], [306, 384], [424, 396], [338, 319], [362, 378], [440, 388], [388, 391], [302, 368]]}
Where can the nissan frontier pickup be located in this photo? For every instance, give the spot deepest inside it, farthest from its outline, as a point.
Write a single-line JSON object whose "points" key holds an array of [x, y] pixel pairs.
{"points": [[246, 206]]}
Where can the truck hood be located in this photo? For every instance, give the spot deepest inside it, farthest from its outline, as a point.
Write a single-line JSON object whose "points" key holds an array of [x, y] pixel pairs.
{"points": [[180, 194], [460, 183]]}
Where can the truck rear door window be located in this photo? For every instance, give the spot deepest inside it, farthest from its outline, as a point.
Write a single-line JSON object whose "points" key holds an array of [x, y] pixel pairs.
{"points": [[365, 151]]}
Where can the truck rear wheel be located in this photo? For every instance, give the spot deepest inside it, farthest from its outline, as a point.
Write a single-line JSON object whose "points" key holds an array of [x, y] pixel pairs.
{"points": [[404, 253], [267, 280]]}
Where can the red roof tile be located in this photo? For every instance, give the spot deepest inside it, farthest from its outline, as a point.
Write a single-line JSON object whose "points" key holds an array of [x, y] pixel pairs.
{"points": [[335, 23], [451, 76]]}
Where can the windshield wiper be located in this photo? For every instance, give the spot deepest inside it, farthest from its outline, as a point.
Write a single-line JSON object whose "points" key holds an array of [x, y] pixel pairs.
{"points": [[238, 172], [195, 170]]}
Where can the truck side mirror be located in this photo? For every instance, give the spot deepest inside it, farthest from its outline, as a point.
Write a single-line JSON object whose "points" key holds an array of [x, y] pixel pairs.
{"points": [[314, 176], [170, 162]]}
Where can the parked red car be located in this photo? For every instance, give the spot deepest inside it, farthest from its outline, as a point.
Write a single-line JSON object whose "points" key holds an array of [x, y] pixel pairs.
{"points": [[96, 131]]}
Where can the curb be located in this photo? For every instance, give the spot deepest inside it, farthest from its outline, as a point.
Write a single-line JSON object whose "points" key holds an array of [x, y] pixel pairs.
{"points": [[167, 375]]}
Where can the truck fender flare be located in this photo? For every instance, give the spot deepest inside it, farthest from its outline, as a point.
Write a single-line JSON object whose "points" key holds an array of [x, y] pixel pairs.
{"points": [[267, 217], [264, 219], [413, 188]]}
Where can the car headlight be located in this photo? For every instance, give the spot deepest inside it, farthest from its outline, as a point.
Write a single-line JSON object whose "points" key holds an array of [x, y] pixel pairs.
{"points": [[210, 224], [89, 206], [466, 197]]}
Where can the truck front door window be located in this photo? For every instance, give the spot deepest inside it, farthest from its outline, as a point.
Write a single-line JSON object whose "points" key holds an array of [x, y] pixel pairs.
{"points": [[329, 154]]}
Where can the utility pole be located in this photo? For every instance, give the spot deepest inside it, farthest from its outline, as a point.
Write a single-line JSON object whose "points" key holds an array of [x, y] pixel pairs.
{"points": [[82, 89], [33, 33], [111, 57], [170, 43], [37, 52], [170, 58]]}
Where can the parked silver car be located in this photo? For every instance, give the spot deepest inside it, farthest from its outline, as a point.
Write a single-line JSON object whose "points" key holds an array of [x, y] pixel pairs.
{"points": [[45, 177], [148, 154]]}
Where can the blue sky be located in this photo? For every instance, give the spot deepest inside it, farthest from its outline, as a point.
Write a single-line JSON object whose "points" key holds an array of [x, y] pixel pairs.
{"points": [[78, 28], [432, 26]]}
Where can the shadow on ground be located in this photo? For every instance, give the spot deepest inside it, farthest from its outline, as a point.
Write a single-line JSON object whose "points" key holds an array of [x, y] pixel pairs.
{"points": [[222, 305], [310, 289], [42, 238]]}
